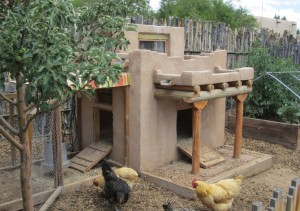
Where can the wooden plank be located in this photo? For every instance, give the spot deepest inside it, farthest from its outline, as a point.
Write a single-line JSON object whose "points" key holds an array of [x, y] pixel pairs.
{"points": [[208, 157], [82, 162], [78, 167], [99, 146], [274, 132], [90, 156], [51, 199], [17, 204]]}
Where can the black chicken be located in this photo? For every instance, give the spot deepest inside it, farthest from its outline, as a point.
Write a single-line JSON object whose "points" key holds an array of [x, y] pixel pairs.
{"points": [[115, 189]]}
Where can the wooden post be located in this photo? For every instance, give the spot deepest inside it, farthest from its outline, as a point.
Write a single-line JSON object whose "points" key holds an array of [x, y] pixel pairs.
{"points": [[96, 124], [126, 124], [276, 202], [197, 107], [57, 148], [257, 206], [79, 124], [12, 123], [239, 124]]}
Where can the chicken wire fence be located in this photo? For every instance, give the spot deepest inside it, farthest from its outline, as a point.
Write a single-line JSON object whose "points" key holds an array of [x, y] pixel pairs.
{"points": [[53, 132]]}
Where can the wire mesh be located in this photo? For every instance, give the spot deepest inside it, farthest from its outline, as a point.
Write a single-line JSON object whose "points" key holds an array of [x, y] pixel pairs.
{"points": [[54, 143]]}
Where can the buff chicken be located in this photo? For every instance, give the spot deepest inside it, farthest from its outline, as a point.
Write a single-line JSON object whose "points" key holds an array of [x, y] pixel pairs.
{"points": [[129, 175], [218, 196]]}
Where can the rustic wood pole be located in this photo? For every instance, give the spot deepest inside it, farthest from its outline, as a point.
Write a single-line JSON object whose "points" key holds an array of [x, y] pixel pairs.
{"points": [[79, 124], [126, 124], [12, 123], [197, 108], [239, 124], [57, 147], [25, 154]]}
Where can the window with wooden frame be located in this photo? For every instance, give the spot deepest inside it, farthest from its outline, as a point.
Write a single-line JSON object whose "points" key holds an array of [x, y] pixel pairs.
{"points": [[154, 42]]}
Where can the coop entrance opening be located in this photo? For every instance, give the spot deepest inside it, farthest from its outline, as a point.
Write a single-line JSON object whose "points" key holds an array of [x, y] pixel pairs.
{"points": [[103, 117], [208, 156], [184, 125]]}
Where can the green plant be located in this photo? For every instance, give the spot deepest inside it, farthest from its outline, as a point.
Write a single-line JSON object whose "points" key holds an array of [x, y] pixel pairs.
{"points": [[269, 98]]}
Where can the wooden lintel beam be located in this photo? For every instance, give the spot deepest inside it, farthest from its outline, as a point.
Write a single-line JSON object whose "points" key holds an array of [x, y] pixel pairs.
{"points": [[207, 88], [236, 84], [248, 83], [176, 87], [222, 86]]}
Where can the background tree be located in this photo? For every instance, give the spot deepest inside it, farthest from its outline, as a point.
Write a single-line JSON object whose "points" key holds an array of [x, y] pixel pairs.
{"points": [[214, 10], [44, 44]]}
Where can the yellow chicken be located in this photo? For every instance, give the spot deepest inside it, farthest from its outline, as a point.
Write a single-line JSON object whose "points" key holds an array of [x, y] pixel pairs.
{"points": [[129, 175], [218, 196]]}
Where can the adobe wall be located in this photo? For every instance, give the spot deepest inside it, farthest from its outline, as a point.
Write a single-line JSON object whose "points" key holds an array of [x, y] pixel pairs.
{"points": [[175, 40], [152, 122], [153, 135]]}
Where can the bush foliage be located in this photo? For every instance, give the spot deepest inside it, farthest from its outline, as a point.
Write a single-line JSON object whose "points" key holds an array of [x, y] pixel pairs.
{"points": [[270, 99]]}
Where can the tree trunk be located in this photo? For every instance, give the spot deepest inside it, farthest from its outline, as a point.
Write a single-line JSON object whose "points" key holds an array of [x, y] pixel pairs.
{"points": [[25, 153]]}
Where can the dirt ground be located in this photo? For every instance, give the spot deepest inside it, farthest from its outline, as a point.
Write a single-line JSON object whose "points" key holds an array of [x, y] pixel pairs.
{"points": [[147, 196]]}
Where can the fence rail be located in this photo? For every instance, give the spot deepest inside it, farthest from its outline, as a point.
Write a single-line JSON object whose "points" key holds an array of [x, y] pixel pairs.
{"points": [[277, 201]]}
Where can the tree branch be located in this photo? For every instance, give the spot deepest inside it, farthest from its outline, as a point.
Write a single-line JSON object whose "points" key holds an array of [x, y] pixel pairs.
{"points": [[41, 112], [7, 99], [8, 126], [10, 138]]}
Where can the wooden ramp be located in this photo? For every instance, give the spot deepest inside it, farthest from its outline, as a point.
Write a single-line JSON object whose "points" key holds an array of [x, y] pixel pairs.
{"points": [[90, 156], [208, 157]]}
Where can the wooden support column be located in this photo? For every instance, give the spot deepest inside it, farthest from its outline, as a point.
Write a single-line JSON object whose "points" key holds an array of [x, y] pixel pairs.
{"points": [[197, 108], [79, 125], [239, 124], [126, 124], [57, 148], [12, 123]]}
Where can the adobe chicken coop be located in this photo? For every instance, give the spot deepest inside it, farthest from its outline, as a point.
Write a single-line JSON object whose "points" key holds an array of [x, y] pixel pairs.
{"points": [[161, 96]]}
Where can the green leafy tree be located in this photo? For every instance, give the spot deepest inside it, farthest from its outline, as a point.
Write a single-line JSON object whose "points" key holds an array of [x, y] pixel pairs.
{"points": [[214, 10], [47, 43]]}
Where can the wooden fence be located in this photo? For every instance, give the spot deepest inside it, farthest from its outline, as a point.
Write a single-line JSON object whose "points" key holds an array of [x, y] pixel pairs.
{"points": [[278, 202], [206, 36]]}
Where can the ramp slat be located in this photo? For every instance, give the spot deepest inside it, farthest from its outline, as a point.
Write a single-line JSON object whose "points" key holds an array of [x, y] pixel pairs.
{"points": [[208, 157], [90, 156]]}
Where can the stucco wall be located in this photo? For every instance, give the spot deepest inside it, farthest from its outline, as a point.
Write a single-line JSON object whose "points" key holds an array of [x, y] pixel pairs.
{"points": [[153, 122], [153, 134], [175, 41]]}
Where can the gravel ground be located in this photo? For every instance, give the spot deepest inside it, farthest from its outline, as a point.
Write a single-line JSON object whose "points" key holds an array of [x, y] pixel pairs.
{"points": [[147, 196]]}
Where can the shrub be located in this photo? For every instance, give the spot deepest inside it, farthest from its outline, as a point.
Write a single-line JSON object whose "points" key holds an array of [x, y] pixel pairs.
{"points": [[270, 99]]}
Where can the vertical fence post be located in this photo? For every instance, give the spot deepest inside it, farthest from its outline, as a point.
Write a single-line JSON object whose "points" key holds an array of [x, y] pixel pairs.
{"points": [[12, 123], [57, 147], [257, 206], [276, 202]]}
